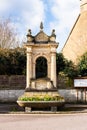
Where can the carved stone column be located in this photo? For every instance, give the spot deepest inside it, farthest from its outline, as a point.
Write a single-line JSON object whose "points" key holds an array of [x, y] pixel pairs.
{"points": [[49, 69], [34, 71], [53, 68], [29, 68]]}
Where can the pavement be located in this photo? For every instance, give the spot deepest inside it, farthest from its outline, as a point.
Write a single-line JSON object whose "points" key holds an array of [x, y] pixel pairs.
{"points": [[71, 117], [8, 108], [77, 121]]}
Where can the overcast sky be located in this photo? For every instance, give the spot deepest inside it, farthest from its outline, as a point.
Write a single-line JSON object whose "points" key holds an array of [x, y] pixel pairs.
{"points": [[55, 14]]}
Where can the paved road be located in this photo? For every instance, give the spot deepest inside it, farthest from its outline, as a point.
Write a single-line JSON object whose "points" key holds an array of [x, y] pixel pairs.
{"points": [[43, 122]]}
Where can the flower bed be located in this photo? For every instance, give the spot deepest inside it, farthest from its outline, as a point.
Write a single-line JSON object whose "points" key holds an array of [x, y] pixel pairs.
{"points": [[41, 98]]}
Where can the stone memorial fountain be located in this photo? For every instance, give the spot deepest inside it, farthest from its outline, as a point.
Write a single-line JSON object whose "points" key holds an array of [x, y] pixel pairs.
{"points": [[41, 81]]}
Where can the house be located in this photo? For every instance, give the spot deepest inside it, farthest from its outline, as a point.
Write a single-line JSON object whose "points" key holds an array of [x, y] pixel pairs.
{"points": [[76, 44]]}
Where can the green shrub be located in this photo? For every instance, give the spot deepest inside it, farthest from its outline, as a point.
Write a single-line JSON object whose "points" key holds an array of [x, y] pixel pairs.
{"points": [[82, 65], [12, 61]]}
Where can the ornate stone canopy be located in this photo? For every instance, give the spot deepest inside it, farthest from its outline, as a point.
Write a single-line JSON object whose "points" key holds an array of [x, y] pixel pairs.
{"points": [[41, 45], [41, 37]]}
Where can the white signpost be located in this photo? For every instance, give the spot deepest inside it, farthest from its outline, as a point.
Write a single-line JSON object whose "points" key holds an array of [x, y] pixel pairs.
{"points": [[80, 83]]}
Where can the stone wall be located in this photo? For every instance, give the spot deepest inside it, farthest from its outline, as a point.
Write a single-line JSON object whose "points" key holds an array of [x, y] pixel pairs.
{"points": [[11, 87], [19, 82], [70, 95], [10, 95], [12, 82], [64, 82]]}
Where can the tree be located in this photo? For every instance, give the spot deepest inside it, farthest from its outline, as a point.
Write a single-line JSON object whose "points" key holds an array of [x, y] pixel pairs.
{"points": [[82, 65], [70, 69], [65, 66], [60, 62], [8, 35], [12, 61]]}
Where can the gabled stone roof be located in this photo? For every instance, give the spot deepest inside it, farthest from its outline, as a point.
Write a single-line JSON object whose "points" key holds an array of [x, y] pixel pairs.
{"points": [[41, 37]]}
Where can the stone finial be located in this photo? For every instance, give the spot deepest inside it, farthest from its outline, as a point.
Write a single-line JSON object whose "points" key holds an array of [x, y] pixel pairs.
{"points": [[41, 26], [29, 36], [29, 32], [53, 36], [53, 32]]}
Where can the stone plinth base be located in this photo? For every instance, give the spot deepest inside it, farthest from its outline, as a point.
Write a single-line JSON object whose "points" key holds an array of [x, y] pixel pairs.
{"points": [[41, 84], [53, 108], [41, 104], [27, 109]]}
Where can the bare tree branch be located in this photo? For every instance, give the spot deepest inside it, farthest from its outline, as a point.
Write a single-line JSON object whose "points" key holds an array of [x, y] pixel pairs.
{"points": [[8, 35]]}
